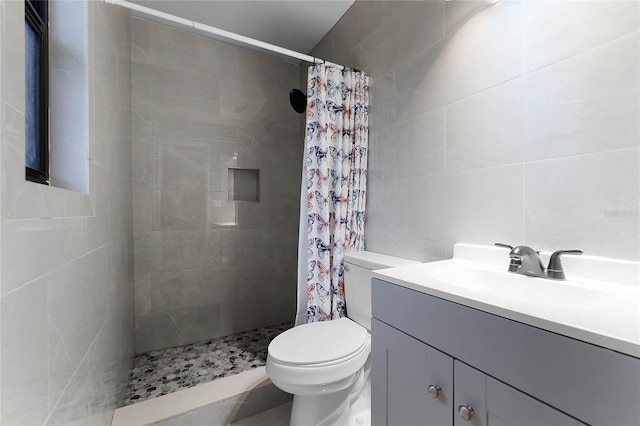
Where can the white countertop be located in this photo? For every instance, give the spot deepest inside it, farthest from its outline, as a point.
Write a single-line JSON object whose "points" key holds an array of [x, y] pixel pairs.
{"points": [[585, 307]]}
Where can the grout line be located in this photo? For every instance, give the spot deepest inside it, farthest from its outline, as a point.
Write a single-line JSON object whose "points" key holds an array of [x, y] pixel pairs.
{"points": [[524, 201], [526, 73], [446, 143], [630, 148], [584, 154], [573, 55]]}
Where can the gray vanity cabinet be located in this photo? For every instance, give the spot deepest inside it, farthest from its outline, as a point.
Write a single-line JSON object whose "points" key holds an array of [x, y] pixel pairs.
{"points": [[417, 383], [496, 404], [508, 372], [415, 380]]}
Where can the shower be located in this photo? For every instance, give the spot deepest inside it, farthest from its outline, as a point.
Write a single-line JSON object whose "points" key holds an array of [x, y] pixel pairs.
{"points": [[216, 172], [298, 100]]}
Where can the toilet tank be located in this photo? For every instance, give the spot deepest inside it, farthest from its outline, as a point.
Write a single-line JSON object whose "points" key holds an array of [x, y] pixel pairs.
{"points": [[357, 281]]}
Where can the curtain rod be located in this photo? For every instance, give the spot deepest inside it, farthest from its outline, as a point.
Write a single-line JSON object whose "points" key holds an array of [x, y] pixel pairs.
{"points": [[221, 33]]}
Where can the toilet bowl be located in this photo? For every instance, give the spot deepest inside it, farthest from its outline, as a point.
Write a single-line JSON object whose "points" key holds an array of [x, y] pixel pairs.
{"points": [[326, 365]]}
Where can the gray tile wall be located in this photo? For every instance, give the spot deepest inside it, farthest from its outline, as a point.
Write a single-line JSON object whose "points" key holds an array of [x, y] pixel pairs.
{"points": [[205, 266], [516, 122], [66, 288]]}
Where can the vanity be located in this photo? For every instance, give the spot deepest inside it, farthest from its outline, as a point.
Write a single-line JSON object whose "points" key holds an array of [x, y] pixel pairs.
{"points": [[464, 342]]}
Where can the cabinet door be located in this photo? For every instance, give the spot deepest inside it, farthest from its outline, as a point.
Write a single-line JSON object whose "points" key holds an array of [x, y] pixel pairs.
{"points": [[496, 404], [403, 368]]}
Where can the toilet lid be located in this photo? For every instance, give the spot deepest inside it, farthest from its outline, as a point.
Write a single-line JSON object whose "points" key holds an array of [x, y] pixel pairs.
{"points": [[318, 342]]}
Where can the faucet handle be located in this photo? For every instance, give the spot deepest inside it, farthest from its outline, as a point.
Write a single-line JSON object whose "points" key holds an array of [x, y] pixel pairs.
{"points": [[555, 271], [503, 246]]}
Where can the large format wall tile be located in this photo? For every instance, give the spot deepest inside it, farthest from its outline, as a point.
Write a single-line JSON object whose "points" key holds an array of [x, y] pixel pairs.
{"points": [[244, 246], [509, 88], [561, 110], [24, 355], [466, 205], [74, 326], [401, 34], [180, 289], [354, 26], [424, 154], [200, 107], [587, 103], [485, 51], [555, 30], [589, 202], [72, 406], [178, 327], [67, 278], [487, 129], [156, 330], [181, 209], [166, 84], [484, 205], [183, 167], [35, 247]]}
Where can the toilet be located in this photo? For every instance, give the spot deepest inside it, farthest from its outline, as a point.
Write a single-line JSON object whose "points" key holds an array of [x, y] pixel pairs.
{"points": [[326, 365]]}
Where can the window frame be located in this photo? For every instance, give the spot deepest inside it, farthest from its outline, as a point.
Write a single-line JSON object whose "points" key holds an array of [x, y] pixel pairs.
{"points": [[36, 13]]}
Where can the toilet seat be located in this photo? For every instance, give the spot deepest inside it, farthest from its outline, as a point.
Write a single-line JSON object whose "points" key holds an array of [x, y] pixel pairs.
{"points": [[309, 356], [322, 343]]}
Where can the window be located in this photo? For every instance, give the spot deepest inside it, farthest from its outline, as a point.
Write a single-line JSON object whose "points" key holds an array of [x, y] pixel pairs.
{"points": [[36, 91], [69, 136]]}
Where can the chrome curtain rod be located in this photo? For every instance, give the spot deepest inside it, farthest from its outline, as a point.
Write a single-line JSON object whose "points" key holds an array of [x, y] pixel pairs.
{"points": [[221, 33]]}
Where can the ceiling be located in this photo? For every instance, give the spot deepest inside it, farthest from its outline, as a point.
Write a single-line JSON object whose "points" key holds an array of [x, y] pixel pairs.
{"points": [[295, 24]]}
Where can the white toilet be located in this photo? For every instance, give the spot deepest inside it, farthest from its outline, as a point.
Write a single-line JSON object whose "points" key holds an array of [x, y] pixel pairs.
{"points": [[326, 365]]}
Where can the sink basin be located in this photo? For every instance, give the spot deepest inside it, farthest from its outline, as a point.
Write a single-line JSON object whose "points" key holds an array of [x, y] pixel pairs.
{"points": [[507, 285], [599, 302]]}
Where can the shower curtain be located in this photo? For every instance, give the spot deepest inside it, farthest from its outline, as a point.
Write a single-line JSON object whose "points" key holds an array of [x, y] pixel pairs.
{"points": [[333, 194]]}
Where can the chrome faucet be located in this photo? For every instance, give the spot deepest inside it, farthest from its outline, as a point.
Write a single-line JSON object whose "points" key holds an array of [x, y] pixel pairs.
{"points": [[526, 261]]}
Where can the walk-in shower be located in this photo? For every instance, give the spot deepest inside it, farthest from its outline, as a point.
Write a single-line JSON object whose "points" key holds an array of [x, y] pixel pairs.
{"points": [[217, 161], [217, 157]]}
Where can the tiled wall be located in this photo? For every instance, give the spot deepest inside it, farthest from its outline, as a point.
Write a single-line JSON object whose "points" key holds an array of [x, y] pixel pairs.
{"points": [[66, 271], [204, 266], [515, 122]]}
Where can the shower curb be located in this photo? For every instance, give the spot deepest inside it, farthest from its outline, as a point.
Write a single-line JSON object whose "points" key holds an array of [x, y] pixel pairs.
{"points": [[219, 402]]}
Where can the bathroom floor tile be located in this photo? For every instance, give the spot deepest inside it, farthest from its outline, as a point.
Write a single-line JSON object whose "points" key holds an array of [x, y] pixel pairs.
{"points": [[278, 416], [164, 371]]}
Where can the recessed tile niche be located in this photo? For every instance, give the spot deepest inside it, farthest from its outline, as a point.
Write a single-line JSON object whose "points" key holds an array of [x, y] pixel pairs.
{"points": [[244, 185]]}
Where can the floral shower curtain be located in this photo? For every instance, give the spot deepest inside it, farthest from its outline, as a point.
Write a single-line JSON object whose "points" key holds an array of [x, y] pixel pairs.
{"points": [[333, 188]]}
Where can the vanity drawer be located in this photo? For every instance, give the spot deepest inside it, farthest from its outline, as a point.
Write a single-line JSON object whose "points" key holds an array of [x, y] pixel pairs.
{"points": [[593, 384]]}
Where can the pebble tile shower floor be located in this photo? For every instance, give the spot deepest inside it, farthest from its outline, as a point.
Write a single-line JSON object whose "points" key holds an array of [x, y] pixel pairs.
{"points": [[164, 371]]}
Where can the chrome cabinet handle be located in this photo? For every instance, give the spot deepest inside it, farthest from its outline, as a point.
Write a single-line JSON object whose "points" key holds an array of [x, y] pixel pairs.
{"points": [[347, 269], [434, 391], [466, 412]]}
